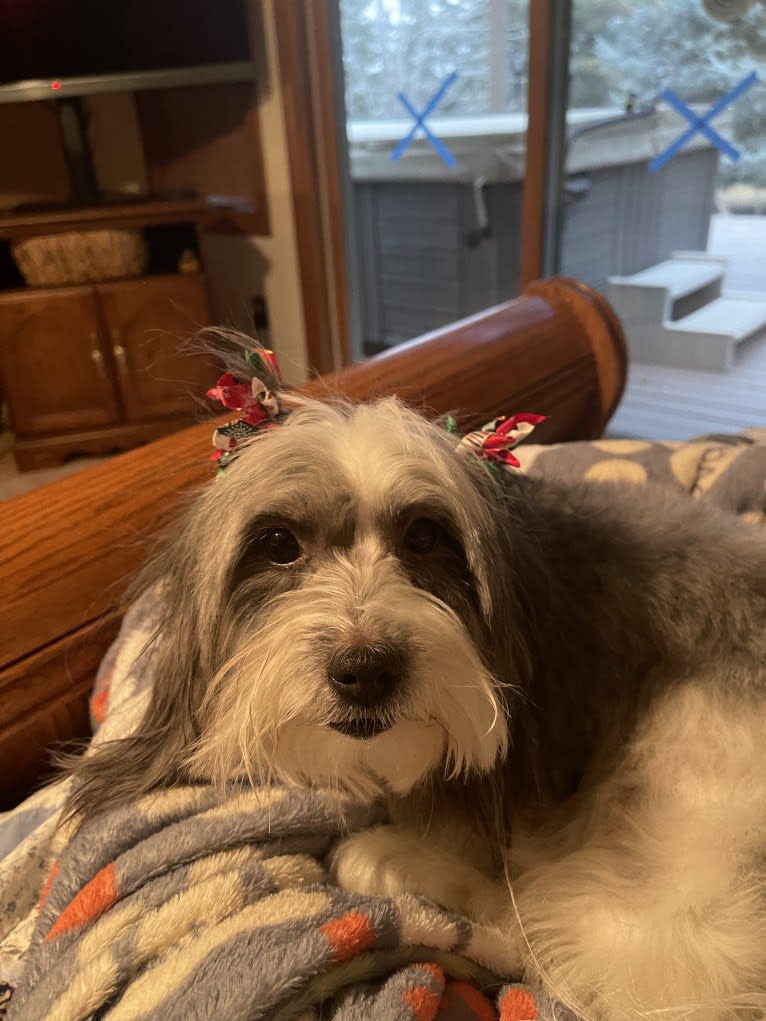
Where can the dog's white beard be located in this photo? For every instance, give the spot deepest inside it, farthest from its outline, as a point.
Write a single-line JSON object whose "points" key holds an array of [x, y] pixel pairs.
{"points": [[267, 711]]}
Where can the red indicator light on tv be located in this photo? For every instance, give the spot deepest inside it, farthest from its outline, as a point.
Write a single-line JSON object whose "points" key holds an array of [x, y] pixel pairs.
{"points": [[55, 86]]}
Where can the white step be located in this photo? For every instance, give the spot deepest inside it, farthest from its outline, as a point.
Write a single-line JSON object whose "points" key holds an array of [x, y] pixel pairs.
{"points": [[704, 339], [678, 277], [707, 338], [729, 316], [668, 290]]}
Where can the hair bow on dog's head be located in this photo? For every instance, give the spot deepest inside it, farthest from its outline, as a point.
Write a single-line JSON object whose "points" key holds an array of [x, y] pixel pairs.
{"points": [[258, 401], [494, 442]]}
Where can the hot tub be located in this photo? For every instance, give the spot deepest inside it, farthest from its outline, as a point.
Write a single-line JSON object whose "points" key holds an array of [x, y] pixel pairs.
{"points": [[436, 243]]}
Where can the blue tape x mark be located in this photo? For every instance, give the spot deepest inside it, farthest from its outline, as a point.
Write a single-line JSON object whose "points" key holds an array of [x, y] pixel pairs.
{"points": [[702, 124], [420, 123]]}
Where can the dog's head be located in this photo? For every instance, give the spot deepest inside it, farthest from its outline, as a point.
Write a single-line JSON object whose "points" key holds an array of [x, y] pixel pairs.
{"points": [[339, 611]]}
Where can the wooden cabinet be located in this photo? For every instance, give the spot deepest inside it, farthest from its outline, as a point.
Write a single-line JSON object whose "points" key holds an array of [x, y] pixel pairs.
{"points": [[101, 367], [54, 362], [98, 368], [148, 324]]}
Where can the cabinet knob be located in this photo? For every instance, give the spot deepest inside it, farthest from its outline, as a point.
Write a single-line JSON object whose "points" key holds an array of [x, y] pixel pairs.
{"points": [[120, 354], [96, 354]]}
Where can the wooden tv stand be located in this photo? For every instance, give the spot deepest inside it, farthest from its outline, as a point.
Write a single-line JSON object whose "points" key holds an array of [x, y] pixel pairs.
{"points": [[100, 367]]}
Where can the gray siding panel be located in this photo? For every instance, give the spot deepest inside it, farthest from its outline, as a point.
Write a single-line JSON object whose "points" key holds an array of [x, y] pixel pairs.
{"points": [[687, 201], [423, 265]]}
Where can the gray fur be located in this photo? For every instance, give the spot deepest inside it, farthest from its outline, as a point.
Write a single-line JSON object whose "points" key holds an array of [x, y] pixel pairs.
{"points": [[599, 621], [602, 597]]}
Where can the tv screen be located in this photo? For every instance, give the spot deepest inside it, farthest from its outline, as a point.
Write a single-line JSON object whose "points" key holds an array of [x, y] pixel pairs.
{"points": [[73, 39]]}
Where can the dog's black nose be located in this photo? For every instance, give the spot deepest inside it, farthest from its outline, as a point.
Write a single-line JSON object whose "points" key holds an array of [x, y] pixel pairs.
{"points": [[365, 676]]}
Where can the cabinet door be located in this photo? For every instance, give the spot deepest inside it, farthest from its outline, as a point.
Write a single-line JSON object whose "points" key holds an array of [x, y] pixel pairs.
{"points": [[56, 375], [149, 323]]}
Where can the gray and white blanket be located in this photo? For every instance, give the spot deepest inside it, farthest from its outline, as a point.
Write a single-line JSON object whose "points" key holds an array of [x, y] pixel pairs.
{"points": [[196, 906], [189, 906]]}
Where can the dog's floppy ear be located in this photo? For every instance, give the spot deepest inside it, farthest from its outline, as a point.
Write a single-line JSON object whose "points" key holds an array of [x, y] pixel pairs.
{"points": [[122, 770], [506, 563]]}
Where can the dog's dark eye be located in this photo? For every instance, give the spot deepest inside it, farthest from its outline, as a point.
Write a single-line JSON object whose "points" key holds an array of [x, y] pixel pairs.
{"points": [[280, 546], [423, 535]]}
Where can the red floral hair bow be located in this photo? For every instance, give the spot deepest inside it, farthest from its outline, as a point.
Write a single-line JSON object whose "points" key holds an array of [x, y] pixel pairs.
{"points": [[259, 403], [495, 441]]}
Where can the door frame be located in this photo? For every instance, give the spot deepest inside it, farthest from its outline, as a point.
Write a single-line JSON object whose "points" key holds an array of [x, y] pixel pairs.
{"points": [[542, 209], [310, 72], [308, 37]]}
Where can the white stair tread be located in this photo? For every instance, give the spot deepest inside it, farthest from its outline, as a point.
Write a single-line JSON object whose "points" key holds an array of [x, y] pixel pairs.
{"points": [[730, 316], [677, 276]]}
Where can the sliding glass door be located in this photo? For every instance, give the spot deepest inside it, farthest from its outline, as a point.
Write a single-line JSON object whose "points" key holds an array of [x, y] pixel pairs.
{"points": [[663, 201], [436, 118]]}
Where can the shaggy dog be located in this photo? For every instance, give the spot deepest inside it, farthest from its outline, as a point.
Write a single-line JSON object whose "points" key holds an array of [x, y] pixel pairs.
{"points": [[559, 692]]}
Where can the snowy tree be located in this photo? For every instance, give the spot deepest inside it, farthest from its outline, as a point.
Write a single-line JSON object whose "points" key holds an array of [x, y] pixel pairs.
{"points": [[588, 85], [619, 48], [673, 44], [412, 45]]}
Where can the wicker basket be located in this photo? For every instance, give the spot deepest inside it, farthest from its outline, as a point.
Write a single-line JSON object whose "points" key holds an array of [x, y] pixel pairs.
{"points": [[80, 258]]}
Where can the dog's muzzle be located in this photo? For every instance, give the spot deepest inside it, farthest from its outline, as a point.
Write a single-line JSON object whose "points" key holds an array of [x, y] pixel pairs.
{"points": [[366, 680]]}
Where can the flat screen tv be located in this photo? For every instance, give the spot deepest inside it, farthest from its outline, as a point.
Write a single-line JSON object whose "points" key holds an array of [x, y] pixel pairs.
{"points": [[64, 49], [59, 48]]}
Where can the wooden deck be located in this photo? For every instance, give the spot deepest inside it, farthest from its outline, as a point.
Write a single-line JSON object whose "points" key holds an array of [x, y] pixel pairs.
{"points": [[668, 403], [741, 240]]}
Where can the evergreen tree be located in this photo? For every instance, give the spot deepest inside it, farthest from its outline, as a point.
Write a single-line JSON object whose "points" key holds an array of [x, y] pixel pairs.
{"points": [[412, 45], [621, 50], [673, 44]]}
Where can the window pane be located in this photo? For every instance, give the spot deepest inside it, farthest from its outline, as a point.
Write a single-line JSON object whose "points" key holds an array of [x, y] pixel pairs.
{"points": [[669, 186], [392, 45], [437, 214]]}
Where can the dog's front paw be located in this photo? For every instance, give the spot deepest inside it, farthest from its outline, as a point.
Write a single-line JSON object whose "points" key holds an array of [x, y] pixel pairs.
{"points": [[390, 860]]}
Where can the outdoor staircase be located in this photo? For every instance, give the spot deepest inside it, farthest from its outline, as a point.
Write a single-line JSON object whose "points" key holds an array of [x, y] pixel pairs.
{"points": [[678, 313]]}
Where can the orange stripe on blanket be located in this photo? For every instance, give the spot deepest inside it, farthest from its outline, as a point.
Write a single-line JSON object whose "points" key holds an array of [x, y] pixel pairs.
{"points": [[518, 1005], [433, 970], [475, 1001], [48, 884], [350, 934], [99, 894], [98, 706], [423, 1002]]}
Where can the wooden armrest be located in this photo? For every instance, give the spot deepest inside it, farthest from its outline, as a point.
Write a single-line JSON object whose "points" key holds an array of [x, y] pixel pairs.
{"points": [[67, 549]]}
